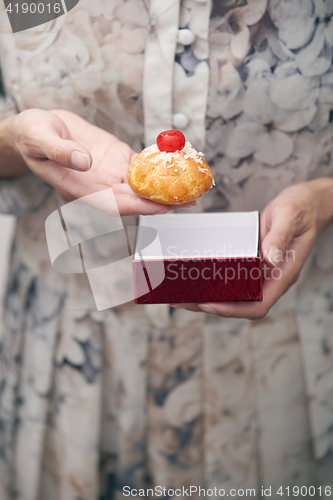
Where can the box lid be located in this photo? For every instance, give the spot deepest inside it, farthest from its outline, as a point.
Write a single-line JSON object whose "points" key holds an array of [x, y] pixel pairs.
{"points": [[195, 236]]}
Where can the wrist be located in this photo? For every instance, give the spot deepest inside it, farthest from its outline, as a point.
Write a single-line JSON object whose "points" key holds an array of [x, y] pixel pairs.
{"points": [[323, 189], [11, 161], [6, 130]]}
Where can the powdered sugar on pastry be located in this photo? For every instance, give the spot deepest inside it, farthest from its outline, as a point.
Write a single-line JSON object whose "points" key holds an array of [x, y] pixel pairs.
{"points": [[168, 159]]}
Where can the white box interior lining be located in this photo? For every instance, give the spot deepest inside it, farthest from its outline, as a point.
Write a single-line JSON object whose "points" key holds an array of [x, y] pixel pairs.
{"points": [[205, 235]]}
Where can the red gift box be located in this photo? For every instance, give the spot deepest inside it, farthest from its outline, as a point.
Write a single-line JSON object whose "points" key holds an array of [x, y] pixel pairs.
{"points": [[209, 257]]}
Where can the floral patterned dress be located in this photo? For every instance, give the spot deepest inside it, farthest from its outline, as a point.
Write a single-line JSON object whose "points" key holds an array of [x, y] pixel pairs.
{"points": [[145, 396]]}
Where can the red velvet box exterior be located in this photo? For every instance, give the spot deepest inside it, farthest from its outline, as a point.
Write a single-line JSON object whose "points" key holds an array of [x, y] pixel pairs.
{"points": [[198, 280]]}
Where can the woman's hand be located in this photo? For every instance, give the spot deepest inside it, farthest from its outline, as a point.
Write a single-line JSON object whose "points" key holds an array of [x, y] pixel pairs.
{"points": [[289, 227], [75, 157]]}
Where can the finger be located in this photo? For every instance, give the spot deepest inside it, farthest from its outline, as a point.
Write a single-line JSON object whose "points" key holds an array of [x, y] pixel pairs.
{"points": [[134, 205], [190, 204], [130, 204], [189, 306], [278, 238], [273, 288], [65, 153], [235, 310], [133, 156], [51, 142]]}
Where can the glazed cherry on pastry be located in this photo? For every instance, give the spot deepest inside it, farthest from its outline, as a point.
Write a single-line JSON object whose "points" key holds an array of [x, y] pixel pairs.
{"points": [[170, 141]]}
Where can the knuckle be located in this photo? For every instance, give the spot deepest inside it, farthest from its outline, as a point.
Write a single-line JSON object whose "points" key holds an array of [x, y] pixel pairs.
{"points": [[32, 129], [292, 207], [287, 210], [260, 314], [55, 153], [28, 143], [256, 317], [293, 281]]}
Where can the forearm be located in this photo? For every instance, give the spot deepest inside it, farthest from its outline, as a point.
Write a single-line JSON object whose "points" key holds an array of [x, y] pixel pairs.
{"points": [[11, 163]]}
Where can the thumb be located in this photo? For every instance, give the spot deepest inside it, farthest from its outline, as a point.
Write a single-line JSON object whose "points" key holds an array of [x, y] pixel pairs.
{"points": [[65, 152], [278, 239]]}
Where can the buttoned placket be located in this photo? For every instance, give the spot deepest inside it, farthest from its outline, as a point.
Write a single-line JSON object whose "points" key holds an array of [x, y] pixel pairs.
{"points": [[172, 99]]}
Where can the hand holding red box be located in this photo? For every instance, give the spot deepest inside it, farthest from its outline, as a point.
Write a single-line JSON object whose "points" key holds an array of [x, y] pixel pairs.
{"points": [[289, 226]]}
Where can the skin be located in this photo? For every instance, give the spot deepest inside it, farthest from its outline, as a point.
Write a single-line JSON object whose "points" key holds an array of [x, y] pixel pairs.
{"points": [[290, 225], [43, 142]]}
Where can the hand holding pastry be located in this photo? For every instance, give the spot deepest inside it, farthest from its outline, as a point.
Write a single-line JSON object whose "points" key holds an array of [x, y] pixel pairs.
{"points": [[170, 172], [73, 156]]}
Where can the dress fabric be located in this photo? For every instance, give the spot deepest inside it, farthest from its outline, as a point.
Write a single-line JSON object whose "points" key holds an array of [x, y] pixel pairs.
{"points": [[145, 396]]}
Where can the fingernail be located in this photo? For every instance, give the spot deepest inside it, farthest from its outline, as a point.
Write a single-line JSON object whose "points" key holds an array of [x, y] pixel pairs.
{"points": [[207, 309], [80, 161], [274, 255], [163, 211], [191, 204]]}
